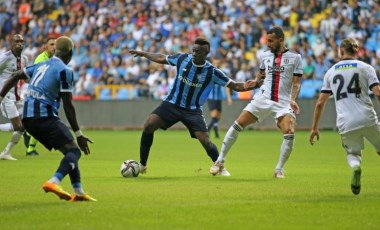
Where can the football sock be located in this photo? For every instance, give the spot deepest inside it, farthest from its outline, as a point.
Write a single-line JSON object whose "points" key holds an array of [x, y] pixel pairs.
{"points": [[57, 178], [354, 160], [77, 187], [16, 136], [216, 129], [229, 140], [68, 163], [285, 150], [212, 122], [6, 127], [213, 153], [145, 144], [32, 144]]}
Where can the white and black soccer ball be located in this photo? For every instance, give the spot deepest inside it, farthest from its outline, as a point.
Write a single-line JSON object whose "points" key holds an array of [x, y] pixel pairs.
{"points": [[130, 168]]}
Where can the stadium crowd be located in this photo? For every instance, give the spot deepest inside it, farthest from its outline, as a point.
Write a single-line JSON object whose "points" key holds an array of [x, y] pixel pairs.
{"points": [[104, 31]]}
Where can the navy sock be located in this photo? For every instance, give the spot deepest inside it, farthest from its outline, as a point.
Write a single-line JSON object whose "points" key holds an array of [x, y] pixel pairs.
{"points": [[69, 163], [213, 153], [216, 129], [212, 123], [145, 144]]}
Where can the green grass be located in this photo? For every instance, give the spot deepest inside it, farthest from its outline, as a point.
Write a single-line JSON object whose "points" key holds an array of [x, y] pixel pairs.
{"points": [[179, 193]]}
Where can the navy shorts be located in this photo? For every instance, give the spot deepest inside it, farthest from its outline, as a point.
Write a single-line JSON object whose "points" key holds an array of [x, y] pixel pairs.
{"points": [[49, 131], [171, 114], [214, 105]]}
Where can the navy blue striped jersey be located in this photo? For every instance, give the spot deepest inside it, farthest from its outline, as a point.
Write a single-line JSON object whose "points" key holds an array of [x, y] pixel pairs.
{"points": [[193, 83], [217, 93], [46, 81]]}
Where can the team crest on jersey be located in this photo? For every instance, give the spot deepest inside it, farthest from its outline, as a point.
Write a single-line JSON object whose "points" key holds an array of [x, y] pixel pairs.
{"points": [[199, 77], [286, 61]]}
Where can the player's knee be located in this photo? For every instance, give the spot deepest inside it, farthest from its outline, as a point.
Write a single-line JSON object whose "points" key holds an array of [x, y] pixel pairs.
{"points": [[77, 153]]}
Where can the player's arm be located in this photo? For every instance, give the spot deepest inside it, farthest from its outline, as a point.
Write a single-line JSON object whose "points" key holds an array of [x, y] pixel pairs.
{"points": [[12, 81], [228, 95], [376, 91], [318, 111], [155, 57], [246, 86], [295, 91]]}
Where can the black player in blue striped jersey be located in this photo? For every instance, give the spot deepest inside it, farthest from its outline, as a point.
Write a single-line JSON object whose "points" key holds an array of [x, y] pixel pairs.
{"points": [[194, 80]]}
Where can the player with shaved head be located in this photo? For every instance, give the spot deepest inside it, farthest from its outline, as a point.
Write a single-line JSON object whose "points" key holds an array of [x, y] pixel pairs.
{"points": [[50, 82]]}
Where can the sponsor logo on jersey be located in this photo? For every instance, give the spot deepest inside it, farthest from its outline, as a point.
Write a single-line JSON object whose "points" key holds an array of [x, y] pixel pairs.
{"points": [[276, 68], [187, 82], [346, 66]]}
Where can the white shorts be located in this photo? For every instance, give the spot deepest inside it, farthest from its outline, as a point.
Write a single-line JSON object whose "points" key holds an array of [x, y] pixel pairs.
{"points": [[10, 108], [353, 141], [262, 107]]}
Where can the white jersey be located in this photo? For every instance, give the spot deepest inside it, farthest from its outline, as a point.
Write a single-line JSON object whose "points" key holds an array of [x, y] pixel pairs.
{"points": [[8, 65], [349, 81], [279, 73]]}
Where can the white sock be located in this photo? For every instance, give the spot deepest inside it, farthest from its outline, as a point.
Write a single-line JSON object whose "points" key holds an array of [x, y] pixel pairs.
{"points": [[7, 127], [229, 140], [55, 180], [79, 191], [16, 136], [354, 160], [285, 151]]}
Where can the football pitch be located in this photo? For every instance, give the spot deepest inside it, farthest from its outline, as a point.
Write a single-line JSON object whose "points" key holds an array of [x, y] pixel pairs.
{"points": [[179, 193]]}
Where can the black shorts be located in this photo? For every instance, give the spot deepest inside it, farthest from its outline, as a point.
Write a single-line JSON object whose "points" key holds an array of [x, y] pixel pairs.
{"points": [[50, 131], [214, 105], [171, 114]]}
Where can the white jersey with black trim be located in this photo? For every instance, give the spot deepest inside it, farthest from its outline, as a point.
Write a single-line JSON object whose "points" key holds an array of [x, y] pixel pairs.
{"points": [[279, 72], [8, 65], [349, 82]]}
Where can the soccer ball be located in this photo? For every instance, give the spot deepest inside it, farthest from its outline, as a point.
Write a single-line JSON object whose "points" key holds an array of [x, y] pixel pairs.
{"points": [[130, 168]]}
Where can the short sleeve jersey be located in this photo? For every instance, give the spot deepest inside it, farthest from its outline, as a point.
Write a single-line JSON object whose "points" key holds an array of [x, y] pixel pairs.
{"points": [[349, 82], [9, 65], [47, 80], [193, 83], [279, 72]]}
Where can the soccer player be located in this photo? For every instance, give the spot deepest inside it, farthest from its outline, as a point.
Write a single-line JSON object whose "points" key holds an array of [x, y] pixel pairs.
{"points": [[282, 70], [349, 81], [192, 85], [214, 103], [30, 141], [49, 82], [10, 62]]}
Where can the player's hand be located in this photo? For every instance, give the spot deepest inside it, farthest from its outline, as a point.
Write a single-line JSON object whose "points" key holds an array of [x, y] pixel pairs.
{"points": [[313, 134], [135, 53], [295, 107], [250, 84], [82, 142]]}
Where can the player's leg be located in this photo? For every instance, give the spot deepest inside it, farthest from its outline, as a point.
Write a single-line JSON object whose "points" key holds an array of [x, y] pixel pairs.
{"points": [[215, 113], [287, 125], [353, 143], [10, 111], [153, 123], [16, 136], [372, 134]]}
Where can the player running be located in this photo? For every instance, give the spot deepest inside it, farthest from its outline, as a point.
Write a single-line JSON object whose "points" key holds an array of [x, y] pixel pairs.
{"points": [[349, 81]]}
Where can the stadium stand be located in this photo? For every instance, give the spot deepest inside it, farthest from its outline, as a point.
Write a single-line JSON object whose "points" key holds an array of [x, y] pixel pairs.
{"points": [[104, 31]]}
